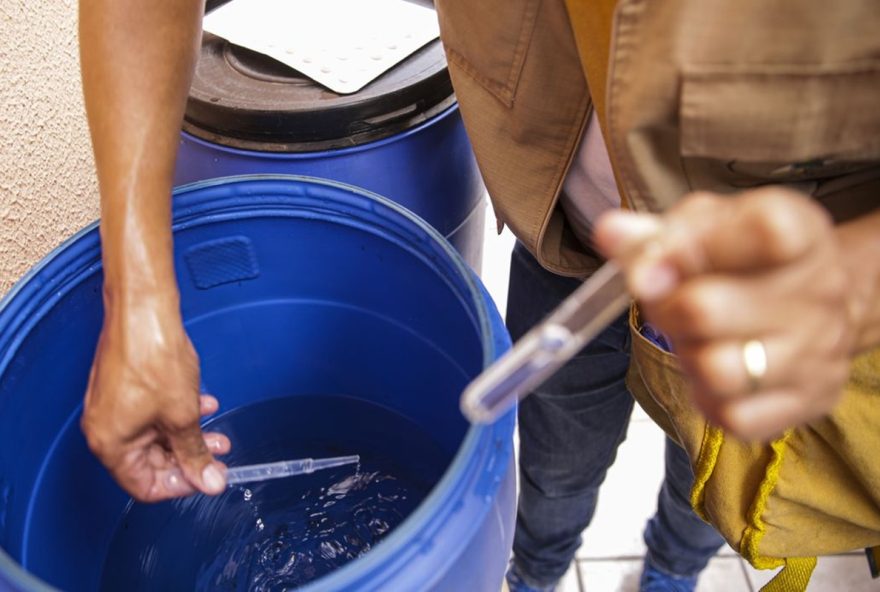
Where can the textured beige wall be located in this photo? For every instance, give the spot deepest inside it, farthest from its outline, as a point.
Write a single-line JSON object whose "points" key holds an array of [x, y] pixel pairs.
{"points": [[47, 185]]}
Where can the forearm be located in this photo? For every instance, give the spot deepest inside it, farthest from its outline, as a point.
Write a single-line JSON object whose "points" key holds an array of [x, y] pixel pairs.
{"points": [[137, 61], [860, 241]]}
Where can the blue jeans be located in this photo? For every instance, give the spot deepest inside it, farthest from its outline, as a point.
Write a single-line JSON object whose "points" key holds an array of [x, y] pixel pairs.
{"points": [[569, 432]]}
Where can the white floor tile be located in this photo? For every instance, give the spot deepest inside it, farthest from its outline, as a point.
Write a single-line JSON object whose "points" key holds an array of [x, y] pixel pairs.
{"points": [[570, 581], [847, 573], [610, 576], [723, 574]]}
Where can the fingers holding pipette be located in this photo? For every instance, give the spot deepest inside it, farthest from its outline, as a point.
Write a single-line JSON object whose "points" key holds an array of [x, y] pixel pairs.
{"points": [[752, 290], [147, 466], [217, 443], [208, 405], [168, 477], [188, 445]]}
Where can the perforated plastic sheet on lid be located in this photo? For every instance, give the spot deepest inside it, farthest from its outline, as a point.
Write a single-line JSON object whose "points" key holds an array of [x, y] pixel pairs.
{"points": [[343, 44], [246, 99]]}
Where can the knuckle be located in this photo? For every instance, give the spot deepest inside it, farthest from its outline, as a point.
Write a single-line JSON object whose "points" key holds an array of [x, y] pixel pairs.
{"points": [[785, 221], [711, 370], [142, 496], [780, 239], [98, 446], [700, 201], [692, 310], [829, 341], [192, 354], [98, 442], [837, 343], [180, 420], [833, 289], [695, 208]]}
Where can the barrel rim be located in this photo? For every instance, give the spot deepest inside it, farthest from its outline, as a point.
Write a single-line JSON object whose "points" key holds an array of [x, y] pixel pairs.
{"points": [[295, 151], [475, 450]]}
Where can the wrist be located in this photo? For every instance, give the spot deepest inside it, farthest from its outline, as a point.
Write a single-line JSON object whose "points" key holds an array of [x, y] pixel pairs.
{"points": [[859, 241], [139, 274], [156, 307], [137, 245]]}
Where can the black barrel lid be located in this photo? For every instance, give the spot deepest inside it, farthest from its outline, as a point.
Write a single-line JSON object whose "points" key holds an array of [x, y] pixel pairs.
{"points": [[245, 99]]}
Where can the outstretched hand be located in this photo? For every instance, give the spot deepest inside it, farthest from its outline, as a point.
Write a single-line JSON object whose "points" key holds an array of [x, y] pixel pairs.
{"points": [[752, 292], [142, 410]]}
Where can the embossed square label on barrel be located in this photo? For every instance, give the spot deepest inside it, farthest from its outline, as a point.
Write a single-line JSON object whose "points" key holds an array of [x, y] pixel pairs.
{"points": [[222, 261]]}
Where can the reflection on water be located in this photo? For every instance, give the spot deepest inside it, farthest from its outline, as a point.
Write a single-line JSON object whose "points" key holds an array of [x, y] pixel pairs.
{"points": [[279, 544], [278, 535]]}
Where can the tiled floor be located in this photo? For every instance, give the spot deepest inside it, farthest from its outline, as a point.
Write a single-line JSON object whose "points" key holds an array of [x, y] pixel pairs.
{"points": [[610, 558]]}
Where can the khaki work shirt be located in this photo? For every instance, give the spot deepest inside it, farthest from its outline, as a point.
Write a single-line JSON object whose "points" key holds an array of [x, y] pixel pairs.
{"points": [[699, 94]]}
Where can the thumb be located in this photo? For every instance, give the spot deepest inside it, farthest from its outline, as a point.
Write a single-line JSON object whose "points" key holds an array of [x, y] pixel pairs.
{"points": [[639, 244], [618, 234], [196, 462]]}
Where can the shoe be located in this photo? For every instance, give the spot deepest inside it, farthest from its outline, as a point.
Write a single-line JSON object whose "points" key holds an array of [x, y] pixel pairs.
{"points": [[654, 580], [515, 582]]}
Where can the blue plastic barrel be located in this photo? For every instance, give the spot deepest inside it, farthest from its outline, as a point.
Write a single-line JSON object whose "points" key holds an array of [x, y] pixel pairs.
{"points": [[273, 271], [401, 136]]}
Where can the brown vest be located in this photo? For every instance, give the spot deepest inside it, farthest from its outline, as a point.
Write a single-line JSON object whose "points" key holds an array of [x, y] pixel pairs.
{"points": [[700, 94]]}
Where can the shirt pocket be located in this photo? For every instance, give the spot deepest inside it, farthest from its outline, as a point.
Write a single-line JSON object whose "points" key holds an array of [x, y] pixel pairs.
{"points": [[789, 124], [489, 40]]}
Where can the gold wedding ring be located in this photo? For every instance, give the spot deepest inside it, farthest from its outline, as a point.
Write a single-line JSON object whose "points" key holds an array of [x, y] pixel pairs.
{"points": [[755, 360]]}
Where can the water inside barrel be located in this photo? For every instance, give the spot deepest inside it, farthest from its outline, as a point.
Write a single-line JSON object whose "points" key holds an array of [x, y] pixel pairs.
{"points": [[279, 535]]}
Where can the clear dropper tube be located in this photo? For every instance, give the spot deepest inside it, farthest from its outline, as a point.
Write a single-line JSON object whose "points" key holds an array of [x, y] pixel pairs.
{"points": [[286, 468]]}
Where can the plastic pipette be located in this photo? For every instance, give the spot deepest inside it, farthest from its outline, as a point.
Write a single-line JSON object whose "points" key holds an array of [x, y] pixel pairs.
{"points": [[286, 468], [544, 349]]}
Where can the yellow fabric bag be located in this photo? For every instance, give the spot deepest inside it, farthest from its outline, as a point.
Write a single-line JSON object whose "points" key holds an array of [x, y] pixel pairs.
{"points": [[814, 491]]}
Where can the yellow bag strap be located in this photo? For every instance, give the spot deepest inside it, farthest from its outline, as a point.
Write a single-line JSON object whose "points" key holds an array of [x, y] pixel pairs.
{"points": [[794, 576]]}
